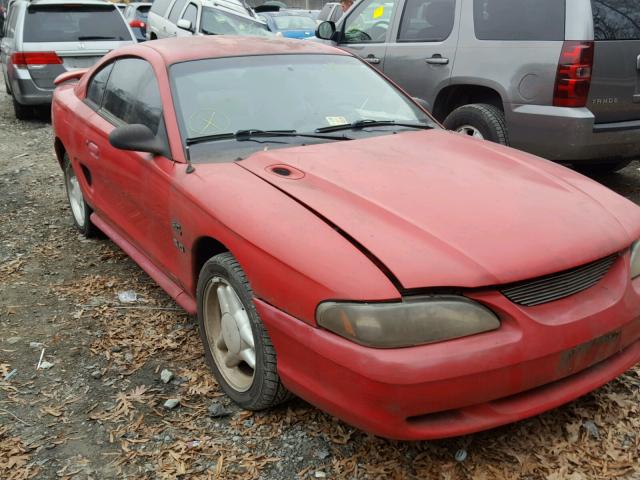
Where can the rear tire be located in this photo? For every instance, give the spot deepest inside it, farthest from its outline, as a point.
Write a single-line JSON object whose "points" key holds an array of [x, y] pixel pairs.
{"points": [[479, 120], [80, 211], [22, 112], [601, 168]]}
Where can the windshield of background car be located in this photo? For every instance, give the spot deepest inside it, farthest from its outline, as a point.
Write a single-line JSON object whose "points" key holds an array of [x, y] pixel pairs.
{"points": [[73, 23], [218, 22], [294, 22], [283, 92]]}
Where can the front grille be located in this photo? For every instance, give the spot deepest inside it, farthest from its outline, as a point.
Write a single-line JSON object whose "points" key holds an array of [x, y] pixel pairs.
{"points": [[558, 285]]}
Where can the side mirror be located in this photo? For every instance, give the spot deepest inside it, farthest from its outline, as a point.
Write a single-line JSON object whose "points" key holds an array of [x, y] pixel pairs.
{"points": [[184, 24], [326, 30], [136, 137]]}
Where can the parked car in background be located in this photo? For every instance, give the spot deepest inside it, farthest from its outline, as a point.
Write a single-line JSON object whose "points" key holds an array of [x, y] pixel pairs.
{"points": [[424, 284], [290, 23], [557, 78], [181, 18], [44, 38], [137, 15], [331, 12]]}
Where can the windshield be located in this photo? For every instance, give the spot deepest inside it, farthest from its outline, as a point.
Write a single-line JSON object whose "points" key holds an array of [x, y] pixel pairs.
{"points": [[294, 22], [218, 22], [283, 92], [73, 23]]}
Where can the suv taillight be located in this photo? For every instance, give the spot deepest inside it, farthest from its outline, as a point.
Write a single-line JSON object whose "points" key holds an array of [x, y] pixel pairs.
{"points": [[137, 24], [23, 59], [574, 74]]}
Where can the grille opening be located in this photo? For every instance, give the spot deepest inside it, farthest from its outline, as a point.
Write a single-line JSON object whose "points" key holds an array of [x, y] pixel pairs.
{"points": [[558, 285]]}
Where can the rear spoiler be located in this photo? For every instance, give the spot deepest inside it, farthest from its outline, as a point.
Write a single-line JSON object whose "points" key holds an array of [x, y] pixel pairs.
{"points": [[68, 76]]}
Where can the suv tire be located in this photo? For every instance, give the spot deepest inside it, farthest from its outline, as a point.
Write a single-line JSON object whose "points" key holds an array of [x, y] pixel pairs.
{"points": [[601, 168], [479, 120]]}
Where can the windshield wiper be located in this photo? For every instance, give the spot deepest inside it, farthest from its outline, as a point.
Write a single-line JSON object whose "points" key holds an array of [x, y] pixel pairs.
{"points": [[371, 123], [207, 32], [242, 135], [95, 37]]}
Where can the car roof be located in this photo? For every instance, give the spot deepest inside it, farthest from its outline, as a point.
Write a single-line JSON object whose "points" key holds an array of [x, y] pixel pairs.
{"points": [[288, 13], [184, 49]]}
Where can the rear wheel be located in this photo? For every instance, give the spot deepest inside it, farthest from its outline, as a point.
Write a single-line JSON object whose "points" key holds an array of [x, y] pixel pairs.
{"points": [[236, 344], [80, 211], [479, 120], [602, 168]]}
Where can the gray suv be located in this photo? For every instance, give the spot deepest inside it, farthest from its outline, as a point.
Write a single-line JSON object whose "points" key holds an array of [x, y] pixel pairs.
{"points": [[44, 38], [557, 78]]}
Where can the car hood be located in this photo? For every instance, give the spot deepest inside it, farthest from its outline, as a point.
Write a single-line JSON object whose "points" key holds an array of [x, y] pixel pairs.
{"points": [[441, 210]]}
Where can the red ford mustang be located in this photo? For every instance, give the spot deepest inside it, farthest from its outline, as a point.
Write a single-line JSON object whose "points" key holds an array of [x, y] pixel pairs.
{"points": [[336, 243]]}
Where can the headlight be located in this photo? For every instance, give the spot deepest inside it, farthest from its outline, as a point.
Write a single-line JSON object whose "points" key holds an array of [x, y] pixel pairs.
{"points": [[635, 259], [412, 322]]}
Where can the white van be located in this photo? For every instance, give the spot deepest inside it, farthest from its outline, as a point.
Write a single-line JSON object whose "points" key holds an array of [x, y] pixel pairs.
{"points": [[181, 18]]}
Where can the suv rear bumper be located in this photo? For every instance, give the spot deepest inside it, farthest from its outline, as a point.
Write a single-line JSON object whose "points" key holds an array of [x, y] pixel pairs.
{"points": [[26, 92], [570, 135]]}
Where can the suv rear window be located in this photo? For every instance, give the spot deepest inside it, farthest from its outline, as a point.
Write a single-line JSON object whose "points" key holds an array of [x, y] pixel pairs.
{"points": [[538, 20], [616, 19], [73, 23]]}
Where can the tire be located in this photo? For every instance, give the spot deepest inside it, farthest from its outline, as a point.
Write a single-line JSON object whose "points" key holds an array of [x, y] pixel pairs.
{"points": [[601, 168], [80, 211], [254, 388], [479, 120], [22, 112]]}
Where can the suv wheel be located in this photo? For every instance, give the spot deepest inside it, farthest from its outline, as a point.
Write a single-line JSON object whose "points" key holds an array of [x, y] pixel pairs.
{"points": [[601, 168], [479, 120], [22, 112]]}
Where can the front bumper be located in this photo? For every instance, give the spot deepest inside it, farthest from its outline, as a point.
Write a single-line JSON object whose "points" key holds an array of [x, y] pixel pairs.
{"points": [[570, 135], [540, 358]]}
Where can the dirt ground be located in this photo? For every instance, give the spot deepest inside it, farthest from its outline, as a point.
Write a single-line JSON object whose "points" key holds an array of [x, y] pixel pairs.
{"points": [[98, 412]]}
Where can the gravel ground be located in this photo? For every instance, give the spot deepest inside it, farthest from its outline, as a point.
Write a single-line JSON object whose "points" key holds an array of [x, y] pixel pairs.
{"points": [[97, 411]]}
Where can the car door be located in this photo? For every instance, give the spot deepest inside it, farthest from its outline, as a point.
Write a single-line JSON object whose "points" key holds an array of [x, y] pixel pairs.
{"points": [[132, 188], [421, 56], [191, 15], [174, 14], [365, 30]]}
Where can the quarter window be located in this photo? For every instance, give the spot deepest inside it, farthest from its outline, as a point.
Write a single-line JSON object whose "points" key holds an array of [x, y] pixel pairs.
{"points": [[616, 19], [160, 7], [95, 92], [132, 94], [369, 22], [427, 20], [176, 9], [537, 20]]}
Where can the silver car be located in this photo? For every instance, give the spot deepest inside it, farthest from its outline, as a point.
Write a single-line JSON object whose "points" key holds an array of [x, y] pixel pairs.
{"points": [[44, 38], [557, 78]]}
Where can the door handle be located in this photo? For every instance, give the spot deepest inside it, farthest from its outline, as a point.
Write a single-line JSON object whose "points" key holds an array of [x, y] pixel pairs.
{"points": [[94, 151], [372, 59], [437, 59]]}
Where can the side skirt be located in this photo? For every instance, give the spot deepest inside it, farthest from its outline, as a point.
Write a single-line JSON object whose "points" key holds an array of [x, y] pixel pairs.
{"points": [[181, 297]]}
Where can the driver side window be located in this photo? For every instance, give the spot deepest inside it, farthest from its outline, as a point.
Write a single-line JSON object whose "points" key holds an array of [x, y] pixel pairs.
{"points": [[369, 22]]}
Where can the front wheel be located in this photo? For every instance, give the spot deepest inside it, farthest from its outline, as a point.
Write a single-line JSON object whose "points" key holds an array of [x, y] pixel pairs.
{"points": [[479, 120], [236, 344]]}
